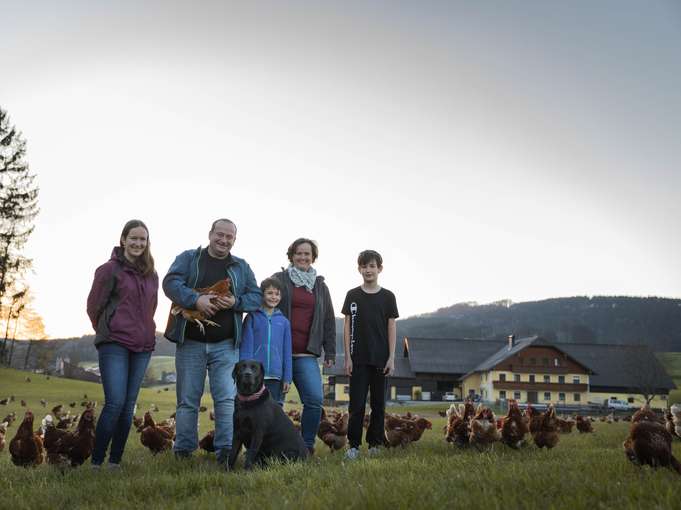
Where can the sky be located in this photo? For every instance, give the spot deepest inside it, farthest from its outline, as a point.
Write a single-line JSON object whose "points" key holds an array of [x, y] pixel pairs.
{"points": [[488, 150]]}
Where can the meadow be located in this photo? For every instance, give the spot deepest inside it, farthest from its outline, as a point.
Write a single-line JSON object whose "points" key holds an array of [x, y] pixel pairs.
{"points": [[583, 471]]}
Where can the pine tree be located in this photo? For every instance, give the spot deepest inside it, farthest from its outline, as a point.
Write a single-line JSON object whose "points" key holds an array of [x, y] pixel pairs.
{"points": [[18, 207]]}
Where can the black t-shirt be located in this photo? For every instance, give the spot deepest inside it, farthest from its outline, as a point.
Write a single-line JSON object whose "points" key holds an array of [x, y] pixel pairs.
{"points": [[369, 314], [212, 270]]}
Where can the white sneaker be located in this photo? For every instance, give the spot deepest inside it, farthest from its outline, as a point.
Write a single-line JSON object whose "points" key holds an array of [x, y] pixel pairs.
{"points": [[352, 454], [373, 451]]}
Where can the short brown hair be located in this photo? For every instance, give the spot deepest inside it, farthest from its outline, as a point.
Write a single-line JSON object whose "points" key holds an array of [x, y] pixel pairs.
{"points": [[367, 256], [271, 282], [302, 240], [145, 262]]}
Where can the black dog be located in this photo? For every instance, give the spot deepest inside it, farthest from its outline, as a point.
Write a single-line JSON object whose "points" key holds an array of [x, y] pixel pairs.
{"points": [[260, 424]]}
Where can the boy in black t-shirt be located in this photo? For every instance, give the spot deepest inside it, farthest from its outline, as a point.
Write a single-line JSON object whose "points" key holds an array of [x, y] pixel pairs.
{"points": [[369, 337]]}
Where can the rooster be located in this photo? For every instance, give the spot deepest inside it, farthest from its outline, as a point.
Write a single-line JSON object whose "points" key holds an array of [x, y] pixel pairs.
{"points": [[483, 428], [333, 430], [66, 448], [26, 449], [458, 418], [155, 437], [514, 427], [219, 289], [547, 433], [649, 442]]}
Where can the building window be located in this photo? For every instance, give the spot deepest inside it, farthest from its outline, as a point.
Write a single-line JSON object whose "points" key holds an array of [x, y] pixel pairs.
{"points": [[516, 377], [561, 397], [547, 396], [663, 397], [516, 395], [576, 379], [561, 379], [502, 377], [346, 389], [577, 397], [630, 400], [531, 377], [547, 378], [502, 395]]}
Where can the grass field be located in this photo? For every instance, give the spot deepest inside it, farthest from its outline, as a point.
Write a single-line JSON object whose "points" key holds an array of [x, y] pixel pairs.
{"points": [[672, 363], [581, 472]]}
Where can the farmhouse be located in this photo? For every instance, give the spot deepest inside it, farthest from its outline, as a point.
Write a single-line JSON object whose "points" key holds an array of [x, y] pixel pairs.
{"points": [[531, 369]]}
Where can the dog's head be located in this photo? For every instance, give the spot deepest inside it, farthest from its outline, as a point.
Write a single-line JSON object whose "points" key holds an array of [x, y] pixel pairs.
{"points": [[249, 376]]}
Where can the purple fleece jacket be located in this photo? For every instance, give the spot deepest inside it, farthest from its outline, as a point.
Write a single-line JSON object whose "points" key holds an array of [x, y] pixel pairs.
{"points": [[132, 321]]}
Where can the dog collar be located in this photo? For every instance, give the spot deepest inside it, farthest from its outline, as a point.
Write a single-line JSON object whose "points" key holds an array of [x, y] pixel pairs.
{"points": [[254, 396]]}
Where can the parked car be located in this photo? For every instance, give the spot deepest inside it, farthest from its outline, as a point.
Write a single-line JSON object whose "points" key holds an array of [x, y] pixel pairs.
{"points": [[450, 396], [618, 405]]}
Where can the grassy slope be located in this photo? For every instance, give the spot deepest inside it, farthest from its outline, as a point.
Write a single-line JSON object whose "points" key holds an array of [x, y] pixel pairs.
{"points": [[583, 471]]}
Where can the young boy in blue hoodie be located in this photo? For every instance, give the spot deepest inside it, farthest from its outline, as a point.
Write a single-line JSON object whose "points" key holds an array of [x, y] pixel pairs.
{"points": [[266, 338]]}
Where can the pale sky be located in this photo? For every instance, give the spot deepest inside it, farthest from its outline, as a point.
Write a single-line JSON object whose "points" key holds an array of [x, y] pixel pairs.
{"points": [[488, 150]]}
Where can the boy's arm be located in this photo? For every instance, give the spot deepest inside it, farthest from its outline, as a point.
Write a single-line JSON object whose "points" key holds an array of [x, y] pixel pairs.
{"points": [[288, 359], [246, 347], [346, 345], [392, 340]]}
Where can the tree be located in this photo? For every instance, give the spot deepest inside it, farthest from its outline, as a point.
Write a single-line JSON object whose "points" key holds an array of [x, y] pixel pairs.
{"points": [[18, 204]]}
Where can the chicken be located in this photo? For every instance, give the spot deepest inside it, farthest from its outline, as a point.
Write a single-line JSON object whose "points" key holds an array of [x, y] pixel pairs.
{"points": [[138, 423], [10, 418], [219, 289], [547, 435], [207, 442], [676, 419], [514, 427], [565, 425], [4, 401], [26, 448], [294, 415], [58, 411], [649, 442], [66, 448], [333, 430], [457, 423], [155, 437], [483, 428], [532, 418], [583, 425], [398, 431], [3, 431]]}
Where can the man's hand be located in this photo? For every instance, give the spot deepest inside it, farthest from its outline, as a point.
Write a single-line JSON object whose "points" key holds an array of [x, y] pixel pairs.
{"points": [[328, 363], [389, 367], [285, 387], [206, 306], [348, 366], [224, 302]]}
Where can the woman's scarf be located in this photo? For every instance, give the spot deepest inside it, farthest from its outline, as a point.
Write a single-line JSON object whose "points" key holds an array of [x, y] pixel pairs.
{"points": [[302, 278]]}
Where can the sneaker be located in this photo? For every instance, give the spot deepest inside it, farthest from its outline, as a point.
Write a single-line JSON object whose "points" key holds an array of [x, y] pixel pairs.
{"points": [[113, 466], [222, 457], [95, 467], [373, 451], [352, 454]]}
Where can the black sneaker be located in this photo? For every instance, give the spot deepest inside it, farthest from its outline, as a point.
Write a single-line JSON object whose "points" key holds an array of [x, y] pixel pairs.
{"points": [[222, 457], [182, 455]]}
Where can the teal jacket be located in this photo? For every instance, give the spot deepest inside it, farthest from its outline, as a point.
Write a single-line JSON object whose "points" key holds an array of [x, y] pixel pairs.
{"points": [[181, 280]]}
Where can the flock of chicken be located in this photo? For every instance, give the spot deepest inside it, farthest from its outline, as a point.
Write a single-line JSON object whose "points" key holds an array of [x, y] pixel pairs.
{"points": [[649, 441]]}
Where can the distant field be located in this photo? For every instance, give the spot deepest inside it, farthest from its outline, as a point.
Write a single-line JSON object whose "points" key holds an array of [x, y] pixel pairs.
{"points": [[672, 363], [583, 471], [157, 363]]}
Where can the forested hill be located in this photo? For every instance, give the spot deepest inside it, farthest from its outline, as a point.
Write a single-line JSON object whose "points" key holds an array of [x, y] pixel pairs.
{"points": [[602, 319]]}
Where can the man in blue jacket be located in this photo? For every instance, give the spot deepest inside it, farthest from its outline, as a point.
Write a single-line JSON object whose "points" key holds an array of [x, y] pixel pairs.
{"points": [[215, 348]]}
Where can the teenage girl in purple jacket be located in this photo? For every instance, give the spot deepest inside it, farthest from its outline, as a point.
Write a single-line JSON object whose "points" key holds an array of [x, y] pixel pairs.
{"points": [[121, 307]]}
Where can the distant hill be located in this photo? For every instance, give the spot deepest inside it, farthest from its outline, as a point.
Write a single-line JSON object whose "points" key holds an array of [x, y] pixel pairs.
{"points": [[600, 319]]}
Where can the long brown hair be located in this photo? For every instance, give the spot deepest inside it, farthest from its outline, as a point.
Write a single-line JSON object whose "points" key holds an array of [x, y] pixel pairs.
{"points": [[145, 262]]}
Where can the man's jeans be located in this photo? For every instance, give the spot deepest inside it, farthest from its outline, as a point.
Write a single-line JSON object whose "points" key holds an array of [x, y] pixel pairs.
{"points": [[192, 360], [308, 381], [122, 372]]}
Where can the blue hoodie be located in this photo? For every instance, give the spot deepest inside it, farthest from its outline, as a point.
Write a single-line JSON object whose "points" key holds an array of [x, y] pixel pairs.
{"points": [[267, 338]]}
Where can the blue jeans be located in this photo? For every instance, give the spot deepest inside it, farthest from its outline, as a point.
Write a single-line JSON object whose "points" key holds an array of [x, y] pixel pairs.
{"points": [[274, 387], [192, 360], [308, 381], [122, 372]]}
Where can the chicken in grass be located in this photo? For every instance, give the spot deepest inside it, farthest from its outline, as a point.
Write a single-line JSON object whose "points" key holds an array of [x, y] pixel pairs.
{"points": [[532, 418], [584, 425], [547, 433], [514, 427], [676, 419], [398, 431], [207, 442], [333, 429], [26, 448], [65, 448], [3, 431], [649, 442], [565, 425], [483, 428], [156, 437], [217, 290], [458, 418]]}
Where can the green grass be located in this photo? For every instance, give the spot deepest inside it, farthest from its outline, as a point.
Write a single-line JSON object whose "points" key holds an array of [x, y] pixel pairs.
{"points": [[672, 364], [583, 471], [159, 364]]}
